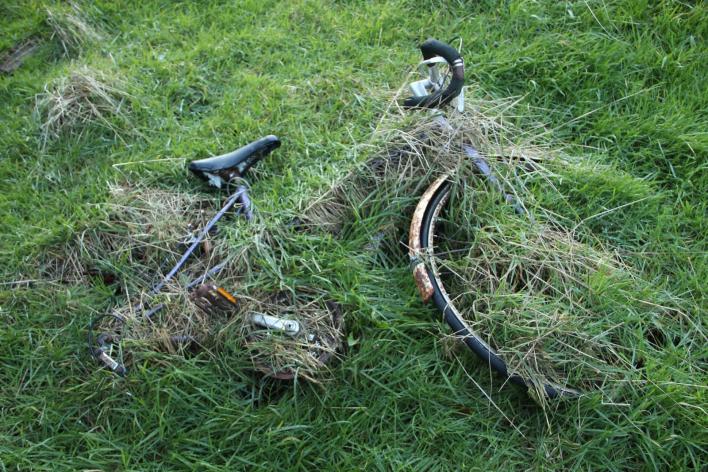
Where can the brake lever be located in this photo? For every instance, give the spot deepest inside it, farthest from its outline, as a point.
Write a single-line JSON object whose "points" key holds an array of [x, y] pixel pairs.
{"points": [[434, 82]]}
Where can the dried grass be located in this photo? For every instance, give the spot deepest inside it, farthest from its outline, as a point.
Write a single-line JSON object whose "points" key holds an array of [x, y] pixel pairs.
{"points": [[550, 305], [71, 26], [142, 234], [141, 227], [398, 168], [409, 150], [180, 323], [557, 304], [305, 356], [85, 97]]}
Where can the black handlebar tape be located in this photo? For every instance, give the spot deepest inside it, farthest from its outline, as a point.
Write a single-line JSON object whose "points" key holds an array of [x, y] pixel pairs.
{"points": [[430, 49], [433, 47]]}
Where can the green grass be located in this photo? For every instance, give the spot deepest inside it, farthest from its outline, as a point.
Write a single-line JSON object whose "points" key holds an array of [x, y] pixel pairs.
{"points": [[620, 83]]}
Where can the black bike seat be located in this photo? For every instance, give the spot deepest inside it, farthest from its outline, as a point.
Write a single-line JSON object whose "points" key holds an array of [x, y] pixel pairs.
{"points": [[234, 164]]}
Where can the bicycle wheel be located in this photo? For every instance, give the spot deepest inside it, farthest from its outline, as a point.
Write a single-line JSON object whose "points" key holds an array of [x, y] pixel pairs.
{"points": [[437, 243]]}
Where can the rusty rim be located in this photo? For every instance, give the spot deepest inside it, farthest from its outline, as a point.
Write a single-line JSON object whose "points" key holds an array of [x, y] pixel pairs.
{"points": [[427, 277]]}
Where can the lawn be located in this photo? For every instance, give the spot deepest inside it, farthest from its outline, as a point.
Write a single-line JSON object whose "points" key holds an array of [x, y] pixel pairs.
{"points": [[618, 85]]}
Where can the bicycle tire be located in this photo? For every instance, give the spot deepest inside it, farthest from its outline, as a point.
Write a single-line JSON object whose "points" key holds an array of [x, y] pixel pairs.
{"points": [[427, 276]]}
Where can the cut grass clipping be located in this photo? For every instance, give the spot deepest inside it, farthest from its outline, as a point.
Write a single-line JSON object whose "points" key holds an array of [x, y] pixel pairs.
{"points": [[71, 26], [284, 356], [140, 228], [141, 234], [145, 230], [556, 300], [86, 96]]}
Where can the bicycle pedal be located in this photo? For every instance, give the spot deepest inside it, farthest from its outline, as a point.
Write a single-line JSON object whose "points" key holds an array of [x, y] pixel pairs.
{"points": [[212, 299]]}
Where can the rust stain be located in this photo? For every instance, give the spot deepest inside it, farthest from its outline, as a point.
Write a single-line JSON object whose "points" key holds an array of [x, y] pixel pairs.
{"points": [[422, 281], [212, 299], [420, 274]]}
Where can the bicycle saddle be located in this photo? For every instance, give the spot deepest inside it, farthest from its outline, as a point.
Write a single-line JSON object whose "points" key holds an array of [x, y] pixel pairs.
{"points": [[220, 169]]}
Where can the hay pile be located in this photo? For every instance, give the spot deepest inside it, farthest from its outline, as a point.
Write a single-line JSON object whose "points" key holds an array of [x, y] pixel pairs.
{"points": [[86, 96], [142, 232], [394, 175], [72, 27], [557, 310], [283, 356]]}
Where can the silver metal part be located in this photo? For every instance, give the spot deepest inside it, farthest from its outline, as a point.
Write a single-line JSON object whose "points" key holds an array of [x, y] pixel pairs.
{"points": [[419, 88], [289, 327], [434, 82], [106, 359], [214, 180], [459, 101]]}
